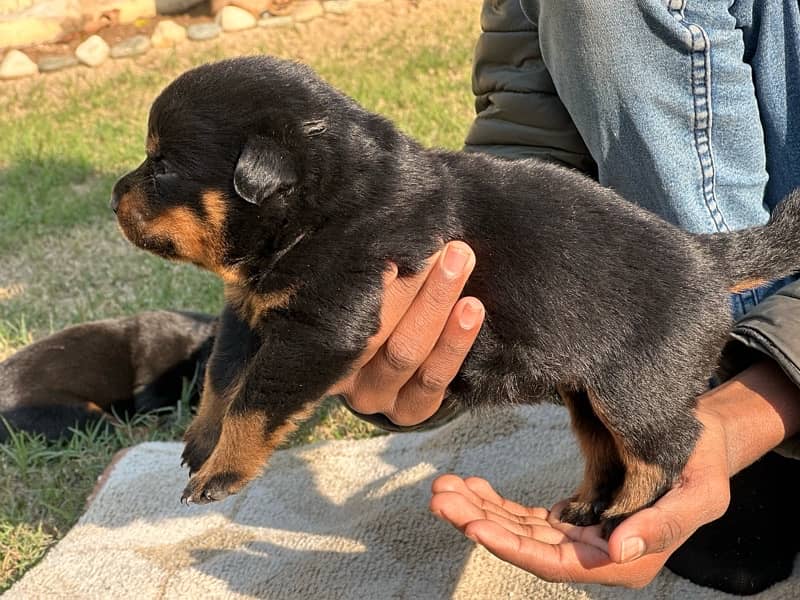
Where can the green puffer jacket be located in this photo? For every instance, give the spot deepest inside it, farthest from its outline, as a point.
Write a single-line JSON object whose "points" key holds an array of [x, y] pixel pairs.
{"points": [[519, 115]]}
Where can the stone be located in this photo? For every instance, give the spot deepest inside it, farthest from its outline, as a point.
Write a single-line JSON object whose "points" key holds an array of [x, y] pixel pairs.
{"points": [[167, 34], [305, 10], [16, 64], [233, 18], [269, 21], [48, 64], [93, 51], [25, 31], [133, 46], [338, 7], [26, 22], [203, 31]]}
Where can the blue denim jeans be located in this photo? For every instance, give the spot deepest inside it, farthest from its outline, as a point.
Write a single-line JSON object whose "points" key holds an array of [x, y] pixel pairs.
{"points": [[691, 108]]}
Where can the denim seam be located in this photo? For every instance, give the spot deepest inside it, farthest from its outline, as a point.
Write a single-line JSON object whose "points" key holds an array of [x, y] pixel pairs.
{"points": [[525, 14], [703, 114]]}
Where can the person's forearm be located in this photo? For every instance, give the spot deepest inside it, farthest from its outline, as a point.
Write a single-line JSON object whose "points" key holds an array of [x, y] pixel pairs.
{"points": [[758, 409]]}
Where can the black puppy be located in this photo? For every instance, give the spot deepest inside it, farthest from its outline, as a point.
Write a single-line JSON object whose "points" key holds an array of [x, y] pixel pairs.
{"points": [[297, 197], [128, 365]]}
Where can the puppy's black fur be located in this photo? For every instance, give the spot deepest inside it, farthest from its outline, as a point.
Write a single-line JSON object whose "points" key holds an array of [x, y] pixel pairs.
{"points": [[297, 197], [128, 365]]}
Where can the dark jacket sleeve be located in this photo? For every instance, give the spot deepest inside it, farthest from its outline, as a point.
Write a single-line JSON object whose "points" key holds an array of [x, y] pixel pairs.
{"points": [[772, 330], [519, 114]]}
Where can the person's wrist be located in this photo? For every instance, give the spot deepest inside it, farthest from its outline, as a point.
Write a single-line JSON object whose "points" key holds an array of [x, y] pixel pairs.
{"points": [[755, 411]]}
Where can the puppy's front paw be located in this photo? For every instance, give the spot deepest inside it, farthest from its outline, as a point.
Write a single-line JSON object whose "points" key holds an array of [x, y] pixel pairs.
{"points": [[202, 490], [200, 443]]}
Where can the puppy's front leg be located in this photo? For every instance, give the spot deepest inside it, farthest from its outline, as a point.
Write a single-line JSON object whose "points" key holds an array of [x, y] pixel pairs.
{"points": [[234, 346], [290, 373]]}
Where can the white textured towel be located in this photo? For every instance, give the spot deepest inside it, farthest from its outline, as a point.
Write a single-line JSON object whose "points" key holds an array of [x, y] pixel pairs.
{"points": [[344, 519]]}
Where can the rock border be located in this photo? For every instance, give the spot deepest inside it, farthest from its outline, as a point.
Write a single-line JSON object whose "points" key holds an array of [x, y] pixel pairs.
{"points": [[94, 51]]}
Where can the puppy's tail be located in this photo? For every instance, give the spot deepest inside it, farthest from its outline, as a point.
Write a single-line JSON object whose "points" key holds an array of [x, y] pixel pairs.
{"points": [[752, 257]]}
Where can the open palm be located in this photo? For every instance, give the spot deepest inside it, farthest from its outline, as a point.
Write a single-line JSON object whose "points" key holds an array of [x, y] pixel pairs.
{"points": [[534, 539]]}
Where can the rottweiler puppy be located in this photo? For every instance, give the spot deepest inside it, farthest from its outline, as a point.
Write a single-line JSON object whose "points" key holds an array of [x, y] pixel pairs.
{"points": [[78, 375], [298, 198]]}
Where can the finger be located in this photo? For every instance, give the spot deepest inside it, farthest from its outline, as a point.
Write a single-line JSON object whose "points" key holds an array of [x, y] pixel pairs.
{"points": [[398, 294], [553, 562], [416, 333], [459, 511], [482, 488], [422, 396], [448, 485], [573, 562], [591, 535], [661, 528]]}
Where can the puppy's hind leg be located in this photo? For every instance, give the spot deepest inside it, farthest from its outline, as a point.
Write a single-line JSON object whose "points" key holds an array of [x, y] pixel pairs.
{"points": [[603, 469], [653, 446]]}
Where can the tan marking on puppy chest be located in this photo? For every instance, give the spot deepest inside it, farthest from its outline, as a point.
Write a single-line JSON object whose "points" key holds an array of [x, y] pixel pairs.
{"points": [[216, 210], [252, 307]]}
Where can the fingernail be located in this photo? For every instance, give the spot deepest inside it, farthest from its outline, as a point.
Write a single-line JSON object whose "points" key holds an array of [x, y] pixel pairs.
{"points": [[632, 548], [470, 314], [454, 261]]}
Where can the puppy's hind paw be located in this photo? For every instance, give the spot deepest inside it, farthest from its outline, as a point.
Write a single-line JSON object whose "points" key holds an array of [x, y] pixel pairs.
{"points": [[582, 514]]}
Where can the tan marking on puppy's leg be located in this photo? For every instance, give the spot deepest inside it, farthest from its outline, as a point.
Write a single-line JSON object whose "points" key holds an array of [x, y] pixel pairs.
{"points": [[245, 444], [203, 432], [212, 404], [644, 482], [602, 466], [746, 284]]}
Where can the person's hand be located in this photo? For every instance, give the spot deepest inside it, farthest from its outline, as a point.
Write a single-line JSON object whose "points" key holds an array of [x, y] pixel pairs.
{"points": [[535, 540], [426, 332]]}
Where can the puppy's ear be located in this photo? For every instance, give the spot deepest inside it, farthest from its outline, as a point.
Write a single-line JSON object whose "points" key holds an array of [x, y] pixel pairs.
{"points": [[263, 169]]}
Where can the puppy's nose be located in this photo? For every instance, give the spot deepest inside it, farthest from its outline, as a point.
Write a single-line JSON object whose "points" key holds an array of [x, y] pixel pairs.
{"points": [[116, 194], [114, 200]]}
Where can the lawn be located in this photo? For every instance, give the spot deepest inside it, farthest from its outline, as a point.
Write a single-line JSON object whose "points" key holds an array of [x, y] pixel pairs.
{"points": [[65, 138]]}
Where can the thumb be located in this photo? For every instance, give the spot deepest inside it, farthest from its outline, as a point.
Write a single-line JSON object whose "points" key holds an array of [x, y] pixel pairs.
{"points": [[664, 526]]}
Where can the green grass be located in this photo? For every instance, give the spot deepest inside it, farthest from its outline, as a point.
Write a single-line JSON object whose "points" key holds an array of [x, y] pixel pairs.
{"points": [[64, 139]]}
